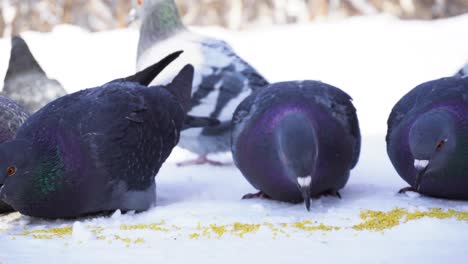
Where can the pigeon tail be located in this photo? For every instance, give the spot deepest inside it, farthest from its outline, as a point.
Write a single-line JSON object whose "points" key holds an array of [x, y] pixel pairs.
{"points": [[463, 72], [21, 59], [181, 86], [194, 121], [146, 76]]}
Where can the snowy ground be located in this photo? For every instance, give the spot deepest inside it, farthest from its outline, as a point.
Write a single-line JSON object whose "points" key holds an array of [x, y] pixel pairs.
{"points": [[200, 217]]}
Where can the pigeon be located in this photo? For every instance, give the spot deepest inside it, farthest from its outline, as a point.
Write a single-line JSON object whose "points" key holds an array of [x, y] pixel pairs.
{"points": [[296, 140], [426, 138], [26, 82], [12, 116], [99, 149], [222, 79], [462, 72]]}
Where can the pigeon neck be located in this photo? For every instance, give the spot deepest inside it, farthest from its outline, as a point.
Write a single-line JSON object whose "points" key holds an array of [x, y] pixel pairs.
{"points": [[463, 72], [297, 144], [6, 133], [18, 145], [160, 20], [49, 171]]}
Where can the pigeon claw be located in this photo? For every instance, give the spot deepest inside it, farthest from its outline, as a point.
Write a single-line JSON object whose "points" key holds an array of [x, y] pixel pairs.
{"points": [[259, 194], [202, 160], [332, 193], [407, 189]]}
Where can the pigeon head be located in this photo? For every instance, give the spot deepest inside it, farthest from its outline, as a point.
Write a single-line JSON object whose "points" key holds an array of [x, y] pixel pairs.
{"points": [[164, 11], [432, 141], [297, 149], [15, 166], [160, 19], [12, 116]]}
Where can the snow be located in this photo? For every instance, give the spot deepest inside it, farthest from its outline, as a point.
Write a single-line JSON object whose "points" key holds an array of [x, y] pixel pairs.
{"points": [[200, 218], [80, 233]]}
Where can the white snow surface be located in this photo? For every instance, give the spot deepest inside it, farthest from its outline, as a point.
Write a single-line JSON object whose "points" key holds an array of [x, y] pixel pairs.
{"points": [[375, 59]]}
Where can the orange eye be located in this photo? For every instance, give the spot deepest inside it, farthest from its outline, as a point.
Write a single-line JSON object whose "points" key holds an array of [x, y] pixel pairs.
{"points": [[11, 171], [441, 144]]}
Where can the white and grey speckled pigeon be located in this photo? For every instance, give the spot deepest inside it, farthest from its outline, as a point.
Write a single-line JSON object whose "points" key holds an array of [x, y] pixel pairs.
{"points": [[26, 82], [222, 79]]}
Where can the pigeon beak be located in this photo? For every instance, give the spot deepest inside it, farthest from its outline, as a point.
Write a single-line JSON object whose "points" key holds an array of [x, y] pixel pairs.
{"points": [[421, 167], [304, 185], [306, 195], [2, 182]]}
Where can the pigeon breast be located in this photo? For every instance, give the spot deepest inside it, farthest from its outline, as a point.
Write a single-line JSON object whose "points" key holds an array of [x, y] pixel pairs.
{"points": [[329, 115]]}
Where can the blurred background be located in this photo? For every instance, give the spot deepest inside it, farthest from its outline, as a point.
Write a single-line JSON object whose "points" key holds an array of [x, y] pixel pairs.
{"points": [[96, 15], [376, 50]]}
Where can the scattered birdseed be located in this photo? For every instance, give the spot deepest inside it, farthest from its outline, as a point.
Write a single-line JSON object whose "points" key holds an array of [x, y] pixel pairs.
{"points": [[375, 221]]}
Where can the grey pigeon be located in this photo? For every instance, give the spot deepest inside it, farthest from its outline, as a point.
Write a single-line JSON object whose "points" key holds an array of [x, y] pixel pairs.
{"points": [[12, 116], [25, 81], [462, 72], [99, 149], [427, 138], [222, 79], [296, 140]]}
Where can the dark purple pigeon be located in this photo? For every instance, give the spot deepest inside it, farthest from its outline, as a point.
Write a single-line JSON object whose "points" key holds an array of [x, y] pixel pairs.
{"points": [[427, 138], [12, 116], [296, 140], [99, 149]]}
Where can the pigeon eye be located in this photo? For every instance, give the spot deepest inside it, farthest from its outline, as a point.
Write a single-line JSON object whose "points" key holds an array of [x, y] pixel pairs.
{"points": [[11, 171], [441, 144]]}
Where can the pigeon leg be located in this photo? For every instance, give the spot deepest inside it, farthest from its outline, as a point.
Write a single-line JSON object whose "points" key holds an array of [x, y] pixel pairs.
{"points": [[201, 160], [407, 189], [260, 195]]}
